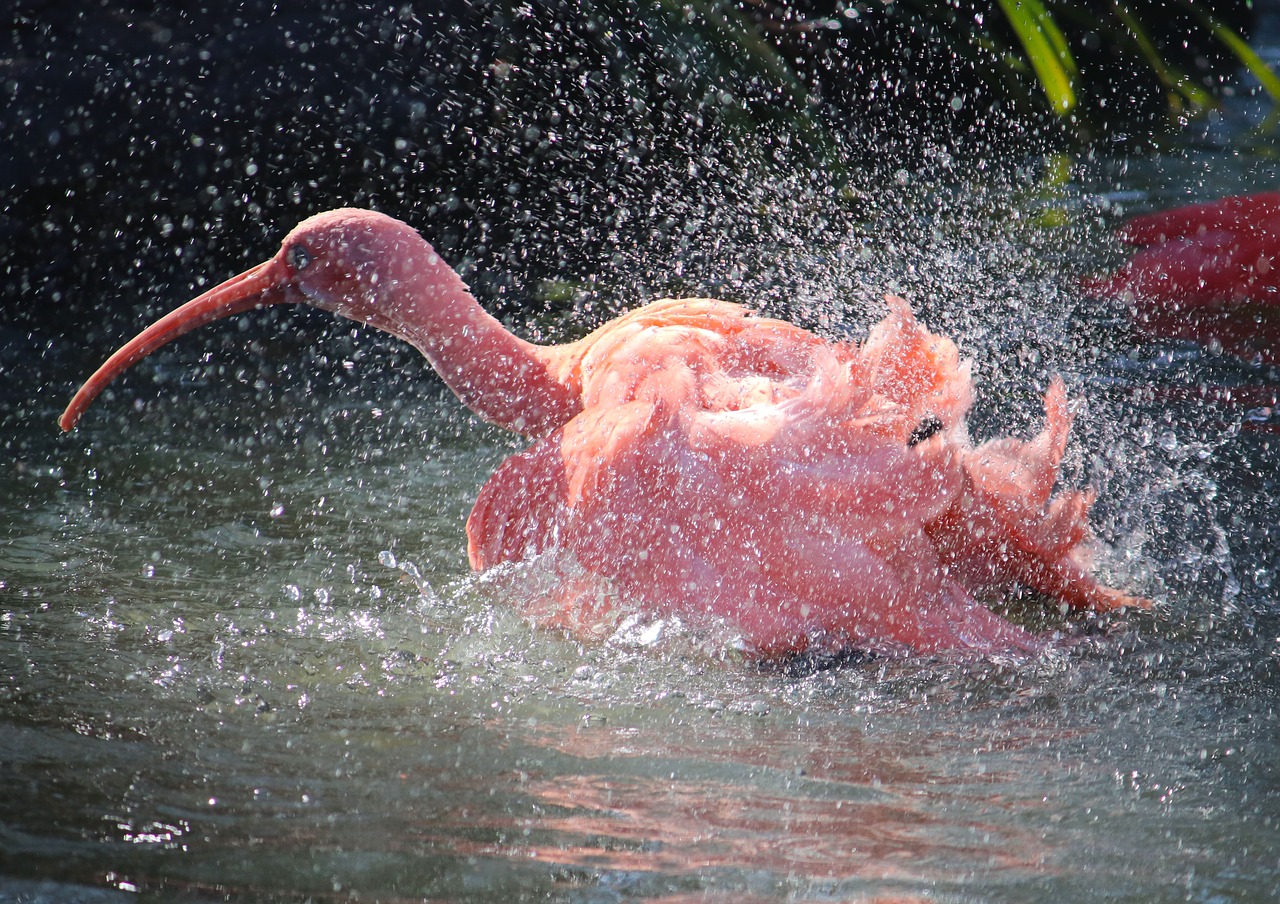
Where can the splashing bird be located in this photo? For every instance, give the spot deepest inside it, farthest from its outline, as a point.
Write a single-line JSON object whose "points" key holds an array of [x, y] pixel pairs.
{"points": [[707, 463]]}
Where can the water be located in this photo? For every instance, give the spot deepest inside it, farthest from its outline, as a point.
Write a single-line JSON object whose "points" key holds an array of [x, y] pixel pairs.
{"points": [[241, 656]]}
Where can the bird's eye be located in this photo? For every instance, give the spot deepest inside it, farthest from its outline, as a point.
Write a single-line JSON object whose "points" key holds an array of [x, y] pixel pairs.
{"points": [[299, 257]]}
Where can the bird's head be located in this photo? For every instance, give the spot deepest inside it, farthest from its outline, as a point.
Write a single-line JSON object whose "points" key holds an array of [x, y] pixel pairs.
{"points": [[352, 262]]}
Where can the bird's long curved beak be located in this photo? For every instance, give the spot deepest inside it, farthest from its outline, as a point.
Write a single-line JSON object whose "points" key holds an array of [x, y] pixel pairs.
{"points": [[268, 283]]}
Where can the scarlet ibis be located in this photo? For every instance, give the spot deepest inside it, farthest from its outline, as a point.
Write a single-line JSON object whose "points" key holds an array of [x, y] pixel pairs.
{"points": [[1208, 273], [692, 459], [1206, 255]]}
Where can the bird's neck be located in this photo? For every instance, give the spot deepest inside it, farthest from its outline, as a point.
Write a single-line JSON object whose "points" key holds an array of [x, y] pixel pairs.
{"points": [[515, 384]]}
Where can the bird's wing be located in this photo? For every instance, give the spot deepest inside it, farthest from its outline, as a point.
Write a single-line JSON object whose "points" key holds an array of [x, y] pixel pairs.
{"points": [[918, 372], [520, 510], [1008, 527]]}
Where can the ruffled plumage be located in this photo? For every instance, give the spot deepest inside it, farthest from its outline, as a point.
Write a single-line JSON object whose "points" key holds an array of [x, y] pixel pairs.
{"points": [[736, 467]]}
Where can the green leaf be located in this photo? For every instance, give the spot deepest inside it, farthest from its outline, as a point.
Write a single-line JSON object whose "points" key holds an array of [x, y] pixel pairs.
{"points": [[1173, 79], [1047, 50], [1243, 52]]}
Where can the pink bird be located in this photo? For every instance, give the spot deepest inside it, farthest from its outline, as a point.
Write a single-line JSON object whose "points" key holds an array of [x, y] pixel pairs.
{"points": [[1208, 273], [692, 459]]}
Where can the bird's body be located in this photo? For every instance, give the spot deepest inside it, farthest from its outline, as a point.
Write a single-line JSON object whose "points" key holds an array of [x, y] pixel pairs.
{"points": [[704, 462]]}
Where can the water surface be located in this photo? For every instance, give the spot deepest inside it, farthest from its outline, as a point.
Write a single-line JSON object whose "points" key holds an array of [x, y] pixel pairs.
{"points": [[241, 656]]}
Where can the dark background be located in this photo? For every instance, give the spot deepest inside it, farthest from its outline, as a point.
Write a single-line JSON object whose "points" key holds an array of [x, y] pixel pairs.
{"points": [[147, 148]]}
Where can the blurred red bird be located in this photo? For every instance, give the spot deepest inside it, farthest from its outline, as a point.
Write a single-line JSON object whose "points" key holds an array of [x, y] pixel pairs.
{"points": [[692, 459], [1208, 273]]}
